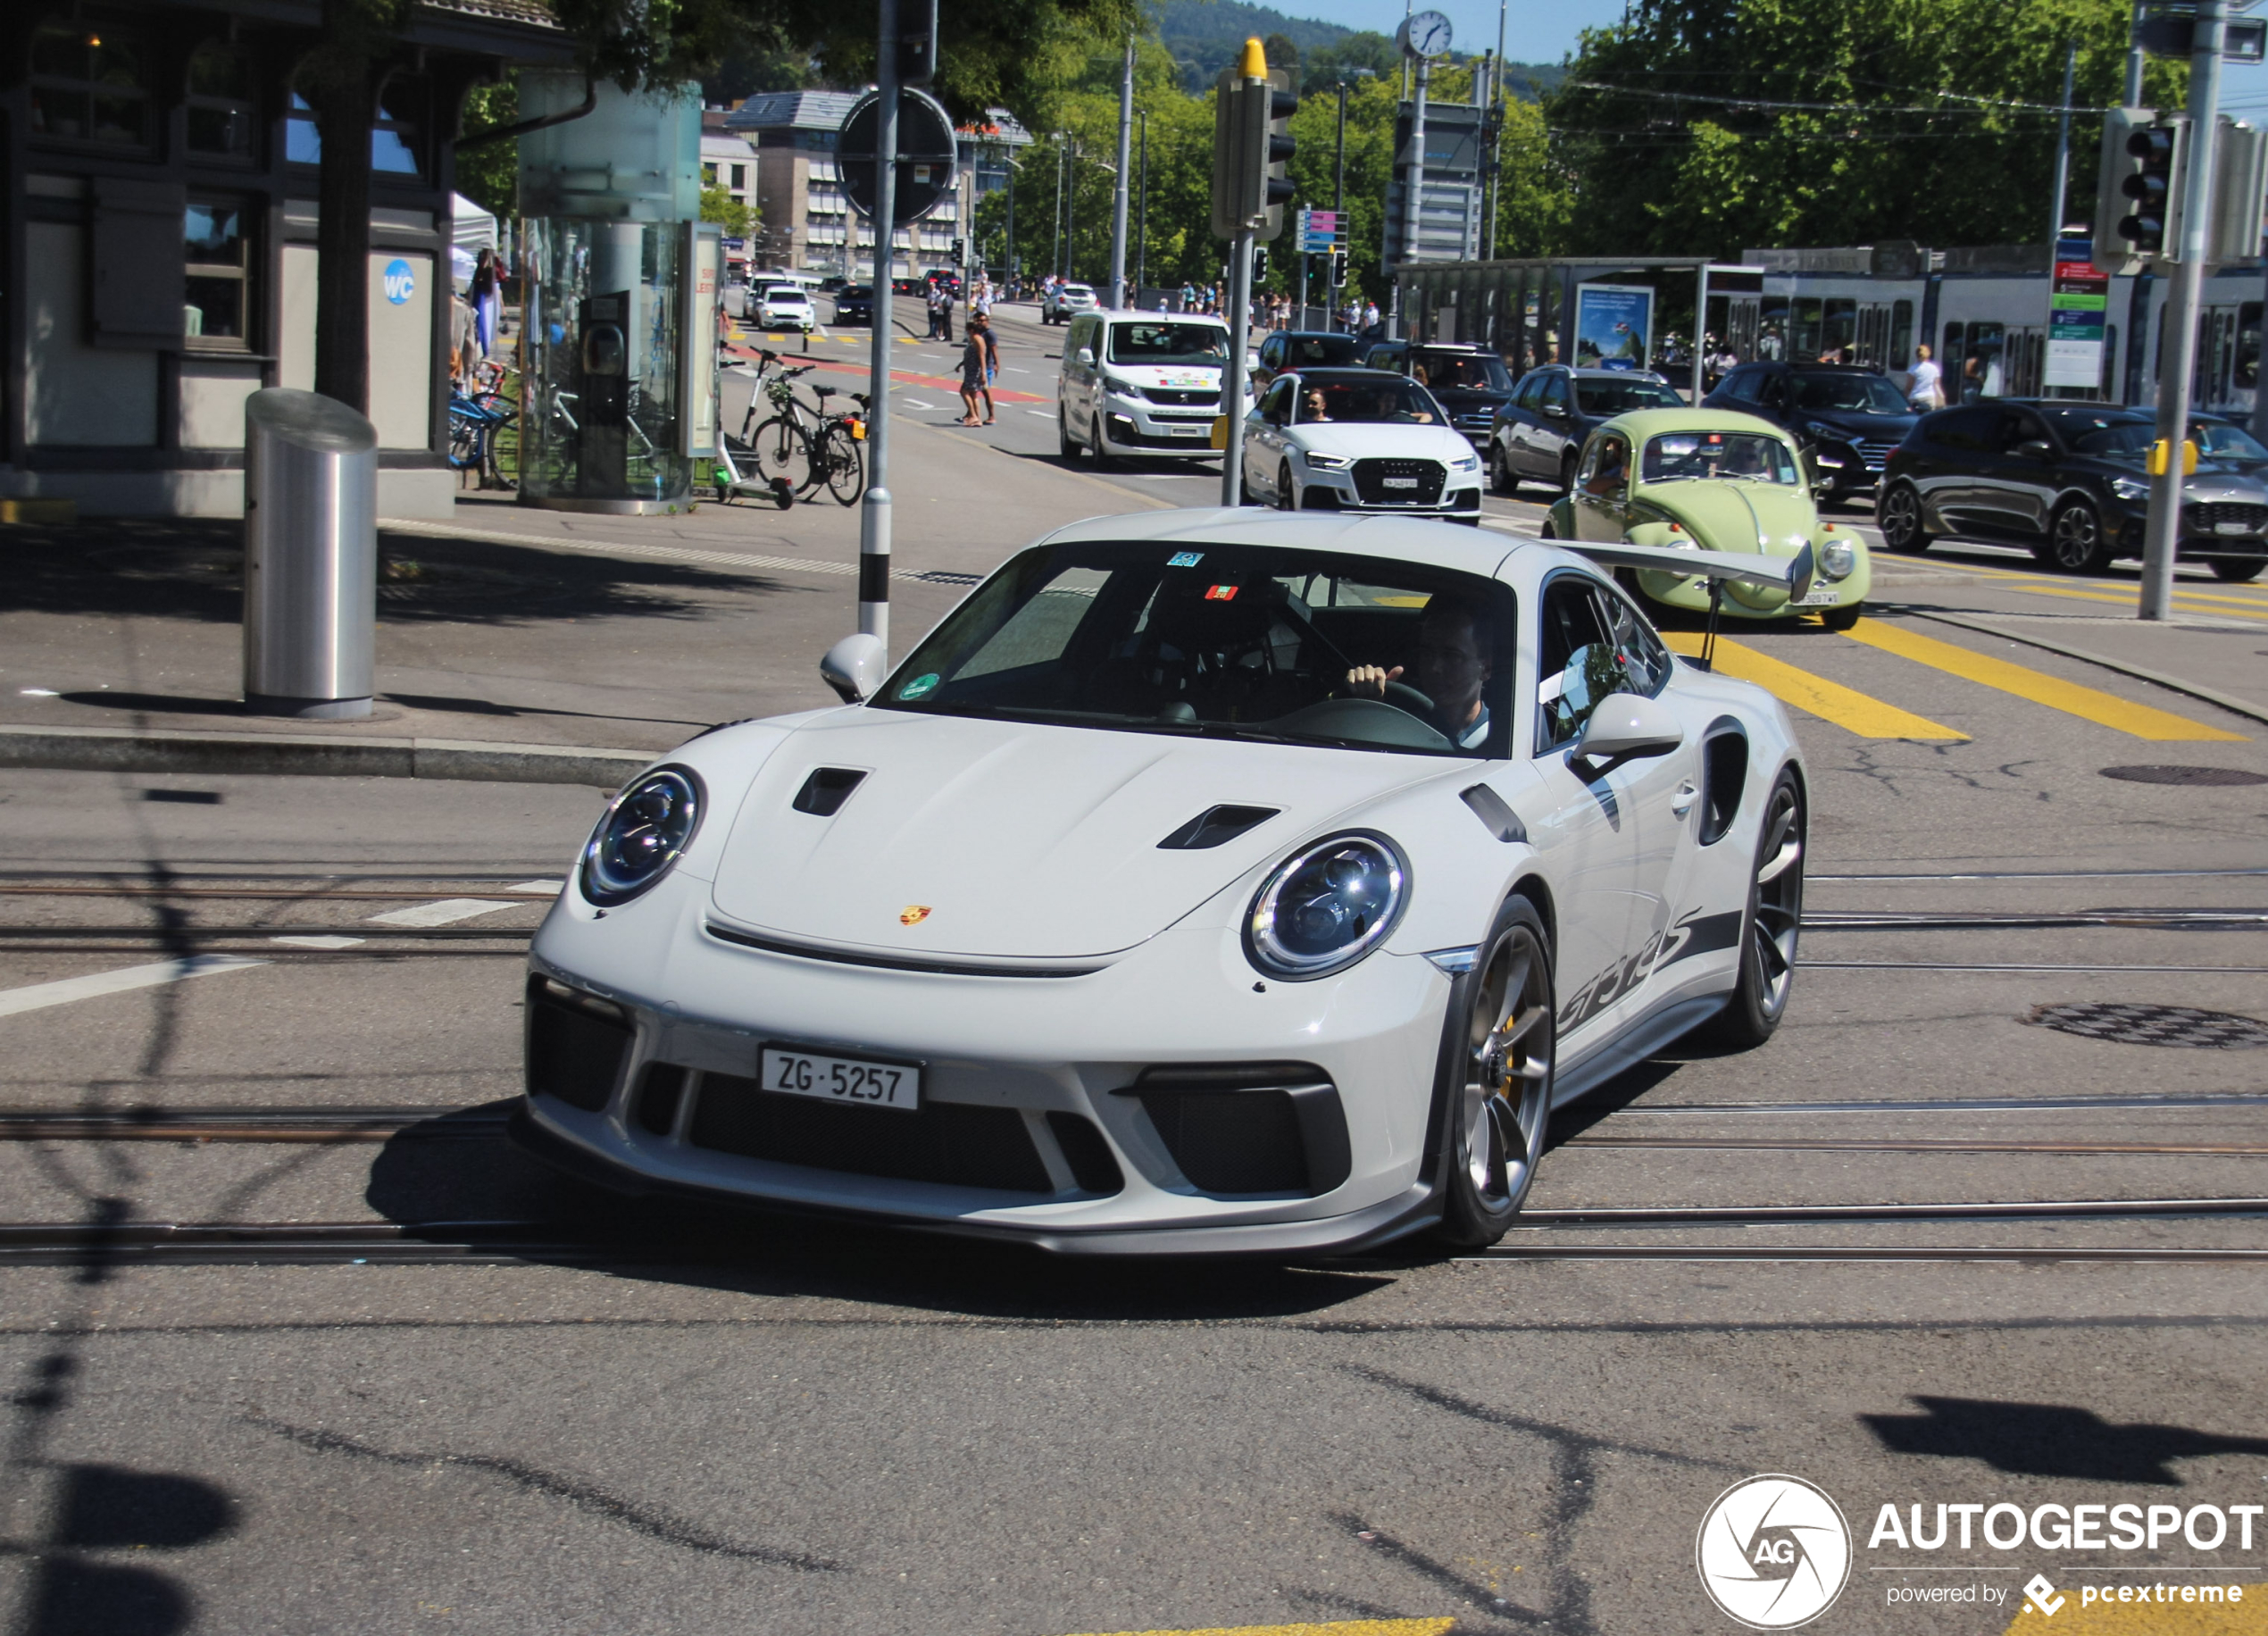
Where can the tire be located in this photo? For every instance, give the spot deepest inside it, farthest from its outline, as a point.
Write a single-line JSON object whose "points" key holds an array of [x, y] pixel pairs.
{"points": [[1567, 473], [1898, 515], [1096, 452], [1495, 1078], [2237, 571], [1841, 619], [2074, 542], [1287, 500], [1502, 482], [781, 453], [1769, 923], [1545, 531], [846, 465], [1064, 446]]}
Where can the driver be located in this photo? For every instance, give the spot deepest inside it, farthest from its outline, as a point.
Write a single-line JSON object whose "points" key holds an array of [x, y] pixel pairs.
{"points": [[1453, 669], [1313, 408]]}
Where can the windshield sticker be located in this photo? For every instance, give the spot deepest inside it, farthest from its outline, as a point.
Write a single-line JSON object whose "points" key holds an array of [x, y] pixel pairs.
{"points": [[919, 685], [1184, 559], [1222, 593]]}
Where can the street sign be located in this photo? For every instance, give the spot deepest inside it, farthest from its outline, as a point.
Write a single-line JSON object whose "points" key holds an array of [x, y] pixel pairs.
{"points": [[2169, 31], [927, 155], [1319, 231], [2078, 304]]}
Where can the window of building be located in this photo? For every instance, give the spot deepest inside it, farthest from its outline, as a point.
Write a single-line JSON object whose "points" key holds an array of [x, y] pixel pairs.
{"points": [[216, 295], [90, 84], [394, 135], [221, 102], [709, 175]]}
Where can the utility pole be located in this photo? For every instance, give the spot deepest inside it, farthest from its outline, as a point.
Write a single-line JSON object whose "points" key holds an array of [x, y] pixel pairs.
{"points": [[2134, 57], [2063, 153], [1012, 218], [1055, 256], [1118, 182], [1413, 189], [874, 511], [2177, 354], [1142, 221]]}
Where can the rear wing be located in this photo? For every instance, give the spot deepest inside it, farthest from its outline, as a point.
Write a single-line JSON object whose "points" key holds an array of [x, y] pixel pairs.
{"points": [[1792, 574]]}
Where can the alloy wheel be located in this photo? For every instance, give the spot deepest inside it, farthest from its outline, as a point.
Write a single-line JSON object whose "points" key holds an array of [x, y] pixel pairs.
{"points": [[1901, 518], [1508, 1066], [1780, 902], [2077, 545]]}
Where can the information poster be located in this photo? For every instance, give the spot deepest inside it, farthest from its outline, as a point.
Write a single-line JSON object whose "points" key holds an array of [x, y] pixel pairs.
{"points": [[1614, 325], [2077, 300]]}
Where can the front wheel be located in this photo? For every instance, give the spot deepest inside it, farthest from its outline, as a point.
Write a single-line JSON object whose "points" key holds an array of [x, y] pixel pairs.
{"points": [[781, 456], [1497, 1075], [1840, 619], [846, 465], [1286, 497], [1899, 516], [1567, 474], [1502, 479], [2075, 542], [2235, 570], [1769, 925]]}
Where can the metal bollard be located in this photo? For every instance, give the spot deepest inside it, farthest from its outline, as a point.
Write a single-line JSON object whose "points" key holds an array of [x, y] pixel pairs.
{"points": [[310, 556]]}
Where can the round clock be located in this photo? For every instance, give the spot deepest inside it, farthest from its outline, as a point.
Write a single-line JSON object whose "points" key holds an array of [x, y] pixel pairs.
{"points": [[1425, 34]]}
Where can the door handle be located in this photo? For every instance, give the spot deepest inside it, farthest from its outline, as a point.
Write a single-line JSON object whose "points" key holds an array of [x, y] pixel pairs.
{"points": [[1681, 803]]}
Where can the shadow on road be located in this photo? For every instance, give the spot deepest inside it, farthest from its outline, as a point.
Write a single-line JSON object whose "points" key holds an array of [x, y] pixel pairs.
{"points": [[2050, 1440]]}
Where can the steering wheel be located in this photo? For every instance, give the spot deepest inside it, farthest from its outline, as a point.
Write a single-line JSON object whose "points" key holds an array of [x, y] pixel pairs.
{"points": [[1404, 697]]}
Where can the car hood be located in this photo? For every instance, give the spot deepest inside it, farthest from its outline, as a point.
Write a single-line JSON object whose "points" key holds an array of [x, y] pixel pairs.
{"points": [[1735, 516], [1019, 840], [1360, 441], [2213, 481], [1855, 424], [1458, 399], [1182, 377]]}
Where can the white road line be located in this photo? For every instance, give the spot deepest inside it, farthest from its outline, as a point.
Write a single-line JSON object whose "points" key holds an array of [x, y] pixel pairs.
{"points": [[915, 403], [548, 889], [38, 996], [321, 942], [1012, 370], [442, 914], [1045, 414]]}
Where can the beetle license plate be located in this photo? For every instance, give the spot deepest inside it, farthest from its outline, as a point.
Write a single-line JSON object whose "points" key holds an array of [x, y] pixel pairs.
{"points": [[855, 1080], [1819, 597]]}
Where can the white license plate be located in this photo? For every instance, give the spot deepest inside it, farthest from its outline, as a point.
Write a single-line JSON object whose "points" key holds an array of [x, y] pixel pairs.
{"points": [[854, 1079], [1187, 431], [2233, 528], [1399, 483], [1819, 597]]}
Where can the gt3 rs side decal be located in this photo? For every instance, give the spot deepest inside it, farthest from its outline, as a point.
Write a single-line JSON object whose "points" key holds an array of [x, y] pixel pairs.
{"points": [[1695, 933]]}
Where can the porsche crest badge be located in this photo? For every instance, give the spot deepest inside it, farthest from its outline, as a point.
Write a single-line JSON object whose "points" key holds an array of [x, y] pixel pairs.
{"points": [[914, 914]]}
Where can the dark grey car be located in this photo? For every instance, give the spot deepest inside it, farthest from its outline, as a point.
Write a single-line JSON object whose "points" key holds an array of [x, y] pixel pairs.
{"points": [[1539, 433]]}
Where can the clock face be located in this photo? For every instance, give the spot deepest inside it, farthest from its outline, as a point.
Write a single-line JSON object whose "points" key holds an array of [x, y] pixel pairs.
{"points": [[1425, 35]]}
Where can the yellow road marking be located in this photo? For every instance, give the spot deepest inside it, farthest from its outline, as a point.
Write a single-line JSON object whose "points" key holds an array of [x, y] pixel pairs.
{"points": [[2087, 704], [2147, 1618], [1830, 701], [2189, 602], [1343, 1627]]}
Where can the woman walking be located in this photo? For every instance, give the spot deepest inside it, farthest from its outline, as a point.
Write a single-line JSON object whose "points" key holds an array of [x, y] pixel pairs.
{"points": [[973, 359], [487, 298]]}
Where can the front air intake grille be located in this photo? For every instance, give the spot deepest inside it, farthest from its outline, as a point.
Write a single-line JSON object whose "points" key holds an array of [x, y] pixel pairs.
{"points": [[951, 1143], [1399, 483], [2206, 517], [659, 1091], [1249, 1127], [1200, 399], [1874, 453], [1092, 1163], [576, 1044]]}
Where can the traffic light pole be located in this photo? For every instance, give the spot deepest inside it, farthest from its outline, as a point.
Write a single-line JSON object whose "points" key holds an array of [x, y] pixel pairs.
{"points": [[874, 513], [1239, 333], [2177, 354]]}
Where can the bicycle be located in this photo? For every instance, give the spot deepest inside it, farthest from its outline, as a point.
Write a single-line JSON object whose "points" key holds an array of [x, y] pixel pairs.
{"points": [[474, 422], [803, 448], [778, 488]]}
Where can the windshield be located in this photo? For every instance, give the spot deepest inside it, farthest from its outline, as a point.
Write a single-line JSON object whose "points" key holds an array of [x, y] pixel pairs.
{"points": [[1611, 397], [855, 292], [1267, 644], [1398, 403], [1465, 370], [1859, 394], [2219, 440], [1170, 344], [2115, 437], [1322, 351], [783, 292], [1749, 455]]}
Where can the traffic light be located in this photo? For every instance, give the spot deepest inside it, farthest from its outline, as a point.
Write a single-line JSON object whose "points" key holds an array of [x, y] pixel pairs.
{"points": [[1259, 265], [1251, 145], [2138, 211], [917, 43], [2240, 182], [1338, 270]]}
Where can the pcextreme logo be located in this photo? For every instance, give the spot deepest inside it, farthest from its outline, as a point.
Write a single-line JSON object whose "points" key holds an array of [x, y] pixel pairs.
{"points": [[1774, 1552]]}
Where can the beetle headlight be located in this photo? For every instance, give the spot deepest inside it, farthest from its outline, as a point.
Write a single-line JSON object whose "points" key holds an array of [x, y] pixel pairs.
{"points": [[645, 829], [1327, 905], [1837, 559]]}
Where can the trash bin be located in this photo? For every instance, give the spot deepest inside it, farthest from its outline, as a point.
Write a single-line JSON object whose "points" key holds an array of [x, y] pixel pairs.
{"points": [[310, 556]]}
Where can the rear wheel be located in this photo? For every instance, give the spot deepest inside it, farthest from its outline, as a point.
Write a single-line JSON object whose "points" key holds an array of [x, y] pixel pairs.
{"points": [[1899, 516], [846, 465], [2237, 571], [1567, 473], [1497, 1074], [1502, 479], [2074, 542], [1769, 925]]}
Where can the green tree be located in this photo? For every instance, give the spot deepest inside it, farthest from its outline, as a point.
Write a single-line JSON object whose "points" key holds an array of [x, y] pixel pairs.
{"points": [[719, 205], [489, 172]]}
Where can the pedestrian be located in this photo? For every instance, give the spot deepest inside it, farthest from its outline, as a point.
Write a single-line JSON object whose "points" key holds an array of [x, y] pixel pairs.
{"points": [[464, 341], [945, 314], [1972, 378], [981, 325], [487, 299], [933, 298], [972, 365], [1922, 392], [1369, 321]]}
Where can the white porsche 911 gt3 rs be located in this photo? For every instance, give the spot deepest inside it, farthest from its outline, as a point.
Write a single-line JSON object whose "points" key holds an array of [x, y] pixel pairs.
{"points": [[1207, 881]]}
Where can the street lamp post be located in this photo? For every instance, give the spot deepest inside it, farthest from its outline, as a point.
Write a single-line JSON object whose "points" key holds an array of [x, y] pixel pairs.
{"points": [[1142, 219], [1118, 186]]}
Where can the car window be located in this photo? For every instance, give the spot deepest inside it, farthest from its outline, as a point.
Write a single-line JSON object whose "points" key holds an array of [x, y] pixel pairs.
{"points": [[1276, 408], [1753, 457], [1578, 664], [1645, 662], [1468, 370], [1860, 394], [2018, 427], [1398, 403], [1607, 469], [1555, 392], [1322, 351], [2220, 440], [1258, 643], [1168, 344], [1531, 390], [1608, 398], [1969, 430], [1271, 351], [1740, 386]]}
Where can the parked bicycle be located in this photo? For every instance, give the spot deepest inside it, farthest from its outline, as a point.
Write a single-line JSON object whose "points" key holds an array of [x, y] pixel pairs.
{"points": [[797, 449], [475, 422]]}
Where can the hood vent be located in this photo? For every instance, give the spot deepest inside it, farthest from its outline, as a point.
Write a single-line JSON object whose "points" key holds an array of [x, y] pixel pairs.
{"points": [[826, 790], [1215, 826]]}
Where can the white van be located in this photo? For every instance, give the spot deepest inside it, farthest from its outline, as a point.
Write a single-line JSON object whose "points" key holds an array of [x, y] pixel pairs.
{"points": [[1141, 383]]}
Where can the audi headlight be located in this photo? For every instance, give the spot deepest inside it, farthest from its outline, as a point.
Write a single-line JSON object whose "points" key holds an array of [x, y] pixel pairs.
{"points": [[1837, 559], [2130, 488], [1327, 463], [645, 829], [1326, 906], [1471, 463]]}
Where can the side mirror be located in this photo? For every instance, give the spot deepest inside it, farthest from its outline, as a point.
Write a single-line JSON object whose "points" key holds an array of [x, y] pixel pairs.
{"points": [[2036, 448], [1625, 727], [1557, 412], [1085, 356], [855, 667]]}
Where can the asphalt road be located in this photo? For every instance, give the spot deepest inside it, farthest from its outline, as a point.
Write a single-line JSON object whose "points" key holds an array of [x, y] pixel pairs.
{"points": [[802, 1428]]}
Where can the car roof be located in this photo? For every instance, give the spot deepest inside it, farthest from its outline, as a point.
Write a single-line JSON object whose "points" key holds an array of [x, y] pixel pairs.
{"points": [[1345, 374], [1656, 376], [1412, 540], [1652, 422], [1464, 347], [1317, 335], [1217, 321]]}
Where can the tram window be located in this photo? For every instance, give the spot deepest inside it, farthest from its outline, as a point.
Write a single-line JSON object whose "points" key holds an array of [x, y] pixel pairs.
{"points": [[1901, 335], [1803, 329], [1840, 328], [2247, 374], [1771, 329]]}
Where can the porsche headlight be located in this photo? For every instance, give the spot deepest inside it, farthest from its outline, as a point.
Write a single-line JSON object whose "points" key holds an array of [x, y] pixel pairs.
{"points": [[1837, 559], [1326, 906], [1327, 463], [645, 829]]}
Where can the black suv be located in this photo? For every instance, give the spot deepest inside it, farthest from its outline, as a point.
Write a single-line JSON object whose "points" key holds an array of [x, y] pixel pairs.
{"points": [[1849, 418], [1471, 382], [2068, 480]]}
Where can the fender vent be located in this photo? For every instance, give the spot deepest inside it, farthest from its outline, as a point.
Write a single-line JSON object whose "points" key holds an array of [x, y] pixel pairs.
{"points": [[1724, 773], [1214, 826], [826, 790]]}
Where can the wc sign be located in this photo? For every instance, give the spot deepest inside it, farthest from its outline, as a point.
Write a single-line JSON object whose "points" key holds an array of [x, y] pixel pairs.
{"points": [[400, 282]]}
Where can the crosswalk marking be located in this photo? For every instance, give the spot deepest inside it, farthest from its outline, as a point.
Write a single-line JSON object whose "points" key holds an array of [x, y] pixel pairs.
{"points": [[447, 912], [2186, 602], [2087, 704], [39, 996], [1830, 701]]}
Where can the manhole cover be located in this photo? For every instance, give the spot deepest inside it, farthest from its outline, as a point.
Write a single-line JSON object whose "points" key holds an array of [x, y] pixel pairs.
{"points": [[944, 576], [2123, 1023], [2185, 775]]}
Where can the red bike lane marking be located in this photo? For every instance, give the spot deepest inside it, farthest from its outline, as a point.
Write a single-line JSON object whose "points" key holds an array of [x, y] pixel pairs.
{"points": [[943, 383]]}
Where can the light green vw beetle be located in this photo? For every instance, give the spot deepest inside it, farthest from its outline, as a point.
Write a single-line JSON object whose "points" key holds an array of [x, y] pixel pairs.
{"points": [[1710, 480]]}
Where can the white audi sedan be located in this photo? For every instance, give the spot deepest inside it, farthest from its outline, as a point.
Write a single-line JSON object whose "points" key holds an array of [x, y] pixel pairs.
{"points": [[1207, 881], [782, 307], [1358, 440]]}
